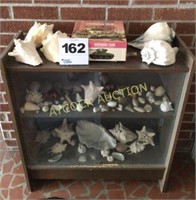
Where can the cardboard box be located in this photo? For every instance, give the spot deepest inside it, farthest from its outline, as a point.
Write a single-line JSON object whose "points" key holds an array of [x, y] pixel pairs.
{"points": [[107, 40]]}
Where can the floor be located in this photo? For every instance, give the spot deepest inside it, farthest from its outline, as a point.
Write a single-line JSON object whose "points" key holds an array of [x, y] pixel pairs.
{"points": [[13, 186]]}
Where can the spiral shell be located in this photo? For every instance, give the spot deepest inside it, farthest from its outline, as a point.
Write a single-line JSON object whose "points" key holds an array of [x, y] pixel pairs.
{"points": [[158, 52]]}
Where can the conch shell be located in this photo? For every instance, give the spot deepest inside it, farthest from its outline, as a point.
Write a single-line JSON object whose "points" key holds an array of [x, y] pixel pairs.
{"points": [[25, 52], [50, 47], [159, 52], [158, 31], [38, 32]]}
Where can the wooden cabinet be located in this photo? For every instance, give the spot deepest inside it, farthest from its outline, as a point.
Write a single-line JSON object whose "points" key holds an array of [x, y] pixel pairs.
{"points": [[153, 163]]}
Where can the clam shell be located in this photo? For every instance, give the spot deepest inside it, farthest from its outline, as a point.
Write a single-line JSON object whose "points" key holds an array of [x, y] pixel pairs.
{"points": [[118, 156], [139, 109], [159, 91], [112, 104]]}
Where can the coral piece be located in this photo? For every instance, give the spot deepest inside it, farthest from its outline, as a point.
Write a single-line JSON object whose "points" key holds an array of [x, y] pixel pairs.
{"points": [[57, 148], [158, 31], [159, 52], [64, 133], [93, 135], [145, 137], [25, 52], [91, 92], [136, 147], [38, 32], [123, 134], [50, 47]]}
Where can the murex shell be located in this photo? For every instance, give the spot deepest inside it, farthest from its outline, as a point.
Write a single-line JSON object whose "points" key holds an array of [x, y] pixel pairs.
{"points": [[93, 135], [50, 47], [159, 52], [25, 52], [123, 134]]}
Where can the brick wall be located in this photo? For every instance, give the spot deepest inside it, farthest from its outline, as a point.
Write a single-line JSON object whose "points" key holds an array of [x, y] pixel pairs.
{"points": [[137, 15]]}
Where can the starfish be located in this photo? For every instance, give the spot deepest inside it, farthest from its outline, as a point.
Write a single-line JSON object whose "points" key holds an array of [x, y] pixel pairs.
{"points": [[146, 137], [91, 92]]}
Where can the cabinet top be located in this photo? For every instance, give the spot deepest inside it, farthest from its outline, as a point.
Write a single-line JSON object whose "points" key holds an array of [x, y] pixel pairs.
{"points": [[133, 63]]}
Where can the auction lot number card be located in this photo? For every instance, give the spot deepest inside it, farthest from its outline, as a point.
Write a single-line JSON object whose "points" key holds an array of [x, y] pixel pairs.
{"points": [[73, 51]]}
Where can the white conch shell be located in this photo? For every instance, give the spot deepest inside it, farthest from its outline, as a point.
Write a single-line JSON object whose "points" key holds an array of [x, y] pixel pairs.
{"points": [[25, 52], [166, 106], [38, 32], [123, 134], [157, 31], [50, 47], [93, 135], [91, 92], [159, 52]]}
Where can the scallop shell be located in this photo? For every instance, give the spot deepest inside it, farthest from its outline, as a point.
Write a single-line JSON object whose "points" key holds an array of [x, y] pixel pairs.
{"points": [[159, 91], [50, 47], [25, 52], [159, 52], [38, 32]]}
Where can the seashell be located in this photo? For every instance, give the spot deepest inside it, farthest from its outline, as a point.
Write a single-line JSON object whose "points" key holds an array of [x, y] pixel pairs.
{"points": [[91, 92], [34, 96], [165, 98], [166, 106], [104, 108], [64, 133], [82, 159], [50, 47], [141, 100], [122, 134], [96, 109], [111, 104], [135, 102], [148, 108], [94, 136], [121, 147], [55, 158], [81, 148], [105, 152], [22, 110], [120, 107], [152, 88], [145, 137], [118, 156], [79, 107], [159, 91], [56, 102], [28, 106], [73, 143], [34, 86], [136, 147], [38, 32], [45, 109], [157, 102], [149, 94], [110, 159], [151, 99], [157, 31], [78, 97], [129, 108], [159, 52], [139, 109], [25, 52], [57, 148], [139, 94]]}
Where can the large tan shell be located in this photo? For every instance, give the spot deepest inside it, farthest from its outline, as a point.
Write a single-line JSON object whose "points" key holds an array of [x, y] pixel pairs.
{"points": [[28, 106], [38, 32], [159, 52], [50, 47], [25, 52]]}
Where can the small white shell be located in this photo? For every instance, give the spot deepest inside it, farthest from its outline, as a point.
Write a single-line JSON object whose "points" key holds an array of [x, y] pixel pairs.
{"points": [[79, 107], [25, 52], [141, 100], [120, 107], [151, 99], [159, 91], [139, 109], [112, 104], [135, 102], [105, 153], [118, 156], [149, 94], [45, 108], [81, 148], [110, 159], [148, 108], [166, 106]]}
